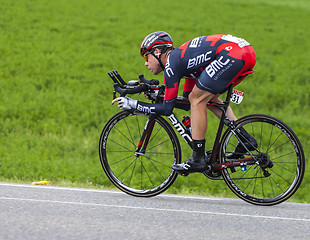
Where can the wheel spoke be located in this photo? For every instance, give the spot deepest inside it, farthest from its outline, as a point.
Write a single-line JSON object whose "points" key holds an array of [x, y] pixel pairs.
{"points": [[121, 145], [115, 128]]}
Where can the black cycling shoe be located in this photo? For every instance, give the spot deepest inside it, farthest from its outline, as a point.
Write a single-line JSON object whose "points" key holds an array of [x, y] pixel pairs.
{"points": [[251, 144], [193, 164]]}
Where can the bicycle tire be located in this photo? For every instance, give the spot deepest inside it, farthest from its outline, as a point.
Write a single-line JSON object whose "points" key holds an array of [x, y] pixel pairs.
{"points": [[144, 175], [283, 148]]}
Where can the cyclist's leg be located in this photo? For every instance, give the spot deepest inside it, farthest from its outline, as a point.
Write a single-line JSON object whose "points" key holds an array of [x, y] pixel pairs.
{"points": [[210, 82], [249, 141], [229, 113], [213, 80], [199, 123], [237, 61], [199, 120]]}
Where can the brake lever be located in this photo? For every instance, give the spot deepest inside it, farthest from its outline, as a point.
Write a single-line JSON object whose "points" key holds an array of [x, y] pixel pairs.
{"points": [[114, 94]]}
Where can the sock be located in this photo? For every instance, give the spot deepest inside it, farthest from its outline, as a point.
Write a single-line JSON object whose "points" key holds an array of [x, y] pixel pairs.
{"points": [[199, 147]]}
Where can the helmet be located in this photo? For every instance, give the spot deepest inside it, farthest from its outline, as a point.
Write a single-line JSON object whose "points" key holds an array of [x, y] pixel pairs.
{"points": [[154, 40]]}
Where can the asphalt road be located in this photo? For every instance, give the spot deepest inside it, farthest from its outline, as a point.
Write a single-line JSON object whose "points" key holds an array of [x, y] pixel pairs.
{"points": [[43, 212]]}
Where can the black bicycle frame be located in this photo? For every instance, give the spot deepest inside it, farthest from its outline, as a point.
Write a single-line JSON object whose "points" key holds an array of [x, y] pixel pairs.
{"points": [[186, 134], [224, 120]]}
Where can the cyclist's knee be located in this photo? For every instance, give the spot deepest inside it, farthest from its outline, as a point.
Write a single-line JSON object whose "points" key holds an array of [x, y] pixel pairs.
{"points": [[198, 96]]}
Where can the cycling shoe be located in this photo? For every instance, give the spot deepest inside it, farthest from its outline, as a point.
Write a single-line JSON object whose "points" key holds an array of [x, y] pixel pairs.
{"points": [[192, 165], [239, 151]]}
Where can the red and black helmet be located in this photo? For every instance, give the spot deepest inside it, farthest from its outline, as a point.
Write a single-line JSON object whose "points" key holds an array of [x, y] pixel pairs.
{"points": [[154, 40]]}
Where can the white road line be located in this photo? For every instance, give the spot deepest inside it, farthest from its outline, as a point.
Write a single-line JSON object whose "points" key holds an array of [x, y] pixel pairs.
{"points": [[156, 209], [107, 191], [57, 188]]}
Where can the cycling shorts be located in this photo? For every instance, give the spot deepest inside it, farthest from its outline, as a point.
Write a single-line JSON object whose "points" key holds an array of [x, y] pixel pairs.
{"points": [[230, 62]]}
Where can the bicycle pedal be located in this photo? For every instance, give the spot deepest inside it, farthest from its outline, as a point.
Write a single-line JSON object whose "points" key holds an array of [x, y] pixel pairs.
{"points": [[182, 173]]}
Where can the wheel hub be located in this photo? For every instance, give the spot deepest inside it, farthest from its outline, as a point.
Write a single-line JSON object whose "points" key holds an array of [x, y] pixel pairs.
{"points": [[264, 160], [139, 153]]}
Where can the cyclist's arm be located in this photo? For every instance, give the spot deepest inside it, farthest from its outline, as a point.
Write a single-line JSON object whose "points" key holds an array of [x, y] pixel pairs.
{"points": [[156, 108], [171, 81], [189, 84], [188, 87]]}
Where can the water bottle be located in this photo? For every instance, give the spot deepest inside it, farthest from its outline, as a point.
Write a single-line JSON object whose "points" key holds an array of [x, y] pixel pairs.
{"points": [[187, 122]]}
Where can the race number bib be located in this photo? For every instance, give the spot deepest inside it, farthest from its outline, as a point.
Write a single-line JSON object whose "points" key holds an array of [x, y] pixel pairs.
{"points": [[236, 96], [240, 41]]}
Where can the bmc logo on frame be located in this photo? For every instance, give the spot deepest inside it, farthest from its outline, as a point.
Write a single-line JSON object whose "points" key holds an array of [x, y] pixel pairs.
{"points": [[215, 66]]}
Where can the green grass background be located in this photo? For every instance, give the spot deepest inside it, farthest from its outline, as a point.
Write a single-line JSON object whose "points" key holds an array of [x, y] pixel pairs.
{"points": [[55, 95]]}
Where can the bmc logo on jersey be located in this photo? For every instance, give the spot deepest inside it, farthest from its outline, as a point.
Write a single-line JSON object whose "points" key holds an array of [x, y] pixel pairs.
{"points": [[215, 66], [193, 62], [145, 109], [168, 69], [194, 42]]}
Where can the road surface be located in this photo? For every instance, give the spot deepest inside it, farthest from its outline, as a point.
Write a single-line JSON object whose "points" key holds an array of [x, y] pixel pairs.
{"points": [[45, 212]]}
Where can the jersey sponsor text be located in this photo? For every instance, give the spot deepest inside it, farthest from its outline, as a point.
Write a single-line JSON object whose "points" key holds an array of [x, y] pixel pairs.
{"points": [[215, 66], [192, 62]]}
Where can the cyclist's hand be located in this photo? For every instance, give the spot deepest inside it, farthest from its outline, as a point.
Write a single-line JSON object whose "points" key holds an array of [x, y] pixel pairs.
{"points": [[126, 103], [147, 96]]}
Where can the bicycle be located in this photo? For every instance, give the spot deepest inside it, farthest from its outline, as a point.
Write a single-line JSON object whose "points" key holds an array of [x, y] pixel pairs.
{"points": [[137, 149]]}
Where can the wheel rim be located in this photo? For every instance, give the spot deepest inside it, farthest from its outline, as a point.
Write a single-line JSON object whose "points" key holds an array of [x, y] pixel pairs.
{"points": [[143, 174], [279, 169]]}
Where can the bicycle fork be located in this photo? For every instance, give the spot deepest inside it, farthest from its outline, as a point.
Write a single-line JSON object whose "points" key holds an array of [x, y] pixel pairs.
{"points": [[149, 125]]}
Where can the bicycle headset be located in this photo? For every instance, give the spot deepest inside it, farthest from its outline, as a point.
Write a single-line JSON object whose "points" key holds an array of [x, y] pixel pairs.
{"points": [[161, 40]]}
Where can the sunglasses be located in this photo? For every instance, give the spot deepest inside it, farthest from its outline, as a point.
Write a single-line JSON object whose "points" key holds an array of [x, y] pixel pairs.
{"points": [[146, 57]]}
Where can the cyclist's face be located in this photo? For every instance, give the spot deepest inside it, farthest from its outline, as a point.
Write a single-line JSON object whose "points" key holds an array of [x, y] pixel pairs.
{"points": [[152, 63]]}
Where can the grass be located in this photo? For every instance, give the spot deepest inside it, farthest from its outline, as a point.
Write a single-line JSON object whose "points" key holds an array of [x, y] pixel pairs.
{"points": [[56, 97]]}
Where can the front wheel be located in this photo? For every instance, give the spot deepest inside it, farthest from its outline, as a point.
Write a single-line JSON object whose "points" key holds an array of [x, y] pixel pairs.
{"points": [[278, 166], [136, 165]]}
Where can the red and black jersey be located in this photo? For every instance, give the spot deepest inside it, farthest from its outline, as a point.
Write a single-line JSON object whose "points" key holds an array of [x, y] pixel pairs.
{"points": [[210, 62]]}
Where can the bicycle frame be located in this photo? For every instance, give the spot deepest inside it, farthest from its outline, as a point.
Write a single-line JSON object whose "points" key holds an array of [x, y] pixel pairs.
{"points": [[186, 135]]}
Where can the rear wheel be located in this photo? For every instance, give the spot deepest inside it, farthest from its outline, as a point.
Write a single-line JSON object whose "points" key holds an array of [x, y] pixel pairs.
{"points": [[144, 173], [279, 161]]}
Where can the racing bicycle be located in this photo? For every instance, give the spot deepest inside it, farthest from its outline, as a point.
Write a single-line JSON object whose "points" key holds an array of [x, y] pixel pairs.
{"points": [[137, 149]]}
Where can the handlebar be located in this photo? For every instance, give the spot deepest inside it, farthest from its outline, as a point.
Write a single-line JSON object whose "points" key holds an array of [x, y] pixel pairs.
{"points": [[148, 81], [129, 89], [133, 87], [151, 87]]}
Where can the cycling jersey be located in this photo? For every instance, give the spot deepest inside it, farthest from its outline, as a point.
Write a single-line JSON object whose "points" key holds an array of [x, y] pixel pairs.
{"points": [[211, 63]]}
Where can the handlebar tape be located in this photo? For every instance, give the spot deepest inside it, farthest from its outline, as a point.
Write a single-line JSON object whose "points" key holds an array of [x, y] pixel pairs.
{"points": [[123, 92]]}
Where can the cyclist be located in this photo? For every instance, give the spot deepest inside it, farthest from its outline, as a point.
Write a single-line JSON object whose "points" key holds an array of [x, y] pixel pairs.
{"points": [[209, 65]]}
